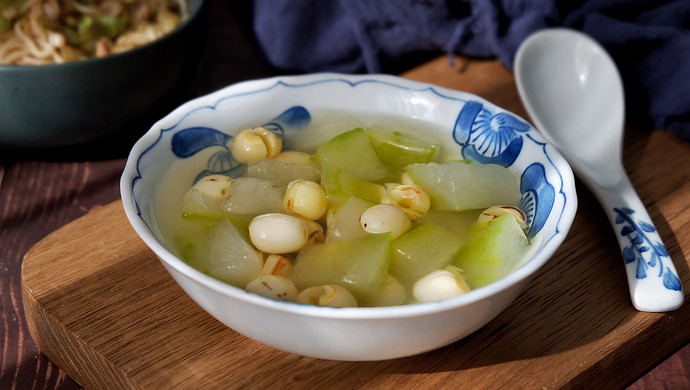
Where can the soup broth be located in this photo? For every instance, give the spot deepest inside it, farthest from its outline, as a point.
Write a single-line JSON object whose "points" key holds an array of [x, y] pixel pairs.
{"points": [[349, 211]]}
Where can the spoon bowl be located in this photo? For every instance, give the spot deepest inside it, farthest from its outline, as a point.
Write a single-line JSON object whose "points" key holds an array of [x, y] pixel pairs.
{"points": [[573, 92]]}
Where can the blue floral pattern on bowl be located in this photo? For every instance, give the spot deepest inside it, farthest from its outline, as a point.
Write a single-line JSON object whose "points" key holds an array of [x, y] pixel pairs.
{"points": [[497, 138], [487, 137], [190, 141], [538, 197]]}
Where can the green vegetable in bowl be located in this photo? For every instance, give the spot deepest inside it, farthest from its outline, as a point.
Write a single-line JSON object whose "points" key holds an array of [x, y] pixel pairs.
{"points": [[370, 219]]}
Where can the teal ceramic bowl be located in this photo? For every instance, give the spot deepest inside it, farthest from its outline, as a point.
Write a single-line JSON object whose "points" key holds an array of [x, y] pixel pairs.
{"points": [[67, 104]]}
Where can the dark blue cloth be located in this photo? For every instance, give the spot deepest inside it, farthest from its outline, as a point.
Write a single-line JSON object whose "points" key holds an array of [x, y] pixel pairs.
{"points": [[649, 40]]}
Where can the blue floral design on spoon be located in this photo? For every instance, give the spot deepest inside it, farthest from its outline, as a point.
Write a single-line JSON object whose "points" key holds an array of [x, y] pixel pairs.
{"points": [[641, 244]]}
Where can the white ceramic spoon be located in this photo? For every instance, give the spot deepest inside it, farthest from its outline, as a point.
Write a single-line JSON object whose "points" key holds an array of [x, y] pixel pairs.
{"points": [[573, 92]]}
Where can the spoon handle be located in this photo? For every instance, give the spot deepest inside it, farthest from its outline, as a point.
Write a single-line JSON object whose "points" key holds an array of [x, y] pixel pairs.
{"points": [[652, 278]]}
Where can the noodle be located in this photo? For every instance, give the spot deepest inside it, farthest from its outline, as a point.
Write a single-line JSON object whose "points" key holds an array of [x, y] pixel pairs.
{"points": [[35, 32]]}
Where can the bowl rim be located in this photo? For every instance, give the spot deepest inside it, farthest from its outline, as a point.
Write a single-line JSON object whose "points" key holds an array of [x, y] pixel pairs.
{"points": [[525, 271], [194, 12]]}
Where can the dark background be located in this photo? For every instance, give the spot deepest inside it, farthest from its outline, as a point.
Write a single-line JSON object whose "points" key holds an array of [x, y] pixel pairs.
{"points": [[41, 190]]}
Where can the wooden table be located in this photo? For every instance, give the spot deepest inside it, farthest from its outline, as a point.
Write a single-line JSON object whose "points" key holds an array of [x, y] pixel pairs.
{"points": [[573, 327]]}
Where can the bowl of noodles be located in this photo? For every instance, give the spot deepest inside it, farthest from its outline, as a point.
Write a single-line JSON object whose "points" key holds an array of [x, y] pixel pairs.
{"points": [[72, 71]]}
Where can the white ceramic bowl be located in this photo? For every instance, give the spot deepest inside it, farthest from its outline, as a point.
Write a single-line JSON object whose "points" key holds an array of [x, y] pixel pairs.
{"points": [[471, 127]]}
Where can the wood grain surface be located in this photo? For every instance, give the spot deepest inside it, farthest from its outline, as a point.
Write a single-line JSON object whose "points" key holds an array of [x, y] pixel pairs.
{"points": [[574, 327]]}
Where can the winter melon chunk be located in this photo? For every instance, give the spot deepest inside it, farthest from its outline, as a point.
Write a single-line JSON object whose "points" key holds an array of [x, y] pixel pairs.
{"points": [[281, 172], [360, 265], [398, 148], [341, 185], [463, 186], [456, 222], [222, 250], [344, 224], [251, 196], [492, 250], [352, 152], [423, 249]]}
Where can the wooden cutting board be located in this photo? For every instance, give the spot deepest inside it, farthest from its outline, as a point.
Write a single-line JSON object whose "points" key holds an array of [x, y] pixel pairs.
{"points": [[100, 305]]}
